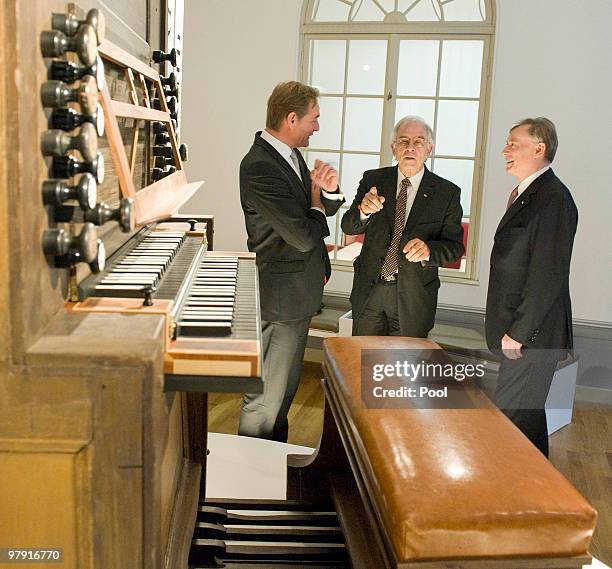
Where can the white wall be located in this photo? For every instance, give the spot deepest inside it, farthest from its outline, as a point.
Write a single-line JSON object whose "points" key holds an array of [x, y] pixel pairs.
{"points": [[235, 52], [552, 58]]}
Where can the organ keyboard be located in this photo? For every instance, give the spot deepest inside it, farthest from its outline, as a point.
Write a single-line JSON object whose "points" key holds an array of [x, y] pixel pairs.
{"points": [[210, 299]]}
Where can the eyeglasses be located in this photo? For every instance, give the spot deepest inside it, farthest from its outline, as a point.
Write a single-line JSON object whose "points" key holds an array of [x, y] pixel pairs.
{"points": [[417, 142]]}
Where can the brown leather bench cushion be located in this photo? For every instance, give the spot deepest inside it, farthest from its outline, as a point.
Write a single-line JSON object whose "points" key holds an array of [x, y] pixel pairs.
{"points": [[456, 483]]}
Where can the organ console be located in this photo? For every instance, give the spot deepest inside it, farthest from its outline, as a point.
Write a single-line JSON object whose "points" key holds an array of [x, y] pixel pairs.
{"points": [[129, 317]]}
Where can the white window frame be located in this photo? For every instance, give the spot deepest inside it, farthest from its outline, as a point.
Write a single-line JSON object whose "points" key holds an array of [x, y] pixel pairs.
{"points": [[394, 32]]}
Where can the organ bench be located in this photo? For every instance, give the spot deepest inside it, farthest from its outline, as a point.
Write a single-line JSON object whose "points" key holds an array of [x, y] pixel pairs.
{"points": [[451, 485], [436, 488]]}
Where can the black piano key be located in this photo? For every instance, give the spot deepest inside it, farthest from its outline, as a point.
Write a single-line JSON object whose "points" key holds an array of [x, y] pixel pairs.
{"points": [[203, 329]]}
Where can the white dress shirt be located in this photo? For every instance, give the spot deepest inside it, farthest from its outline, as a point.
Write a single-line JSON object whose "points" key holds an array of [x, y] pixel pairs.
{"points": [[527, 181]]}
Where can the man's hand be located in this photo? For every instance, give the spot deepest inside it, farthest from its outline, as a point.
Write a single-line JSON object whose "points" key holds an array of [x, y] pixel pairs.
{"points": [[416, 250], [315, 196], [324, 176], [371, 202], [511, 348]]}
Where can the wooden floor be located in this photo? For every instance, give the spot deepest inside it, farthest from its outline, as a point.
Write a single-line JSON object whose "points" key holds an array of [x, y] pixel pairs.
{"points": [[582, 451]]}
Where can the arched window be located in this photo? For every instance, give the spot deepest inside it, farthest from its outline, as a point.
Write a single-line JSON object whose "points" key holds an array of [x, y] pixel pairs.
{"points": [[375, 61]]}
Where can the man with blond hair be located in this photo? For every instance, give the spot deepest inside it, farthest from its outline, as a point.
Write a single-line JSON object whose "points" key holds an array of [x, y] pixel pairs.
{"points": [[529, 314], [285, 208]]}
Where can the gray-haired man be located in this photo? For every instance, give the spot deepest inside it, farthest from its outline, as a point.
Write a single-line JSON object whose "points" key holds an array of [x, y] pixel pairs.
{"points": [[412, 223]]}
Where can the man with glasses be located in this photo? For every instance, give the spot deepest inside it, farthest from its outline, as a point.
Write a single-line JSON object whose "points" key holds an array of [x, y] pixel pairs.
{"points": [[411, 219], [529, 314]]}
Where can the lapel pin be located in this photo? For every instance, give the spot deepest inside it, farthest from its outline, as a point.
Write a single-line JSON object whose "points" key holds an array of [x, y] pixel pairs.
{"points": [[424, 195]]}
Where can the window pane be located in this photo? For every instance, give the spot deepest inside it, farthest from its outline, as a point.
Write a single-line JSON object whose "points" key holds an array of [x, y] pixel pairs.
{"points": [[417, 68], [464, 10], [366, 68], [367, 11], [423, 108], [332, 223], [353, 167], [363, 124], [330, 124], [331, 158], [388, 5], [327, 65], [331, 11], [460, 172], [461, 68], [456, 131], [423, 11]]}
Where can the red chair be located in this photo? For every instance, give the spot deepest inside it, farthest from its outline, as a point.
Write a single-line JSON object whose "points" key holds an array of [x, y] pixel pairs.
{"points": [[457, 263]]}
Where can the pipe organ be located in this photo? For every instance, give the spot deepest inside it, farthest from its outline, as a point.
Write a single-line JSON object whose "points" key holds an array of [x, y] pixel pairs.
{"points": [[118, 315]]}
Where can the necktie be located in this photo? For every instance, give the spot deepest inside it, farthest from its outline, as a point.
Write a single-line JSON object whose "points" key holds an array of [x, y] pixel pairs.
{"points": [[389, 267], [296, 163], [512, 197]]}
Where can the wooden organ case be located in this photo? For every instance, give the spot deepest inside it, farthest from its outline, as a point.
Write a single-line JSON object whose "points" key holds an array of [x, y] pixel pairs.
{"points": [[102, 403]]}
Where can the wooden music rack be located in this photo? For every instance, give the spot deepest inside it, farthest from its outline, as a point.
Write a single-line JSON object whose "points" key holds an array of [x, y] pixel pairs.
{"points": [[163, 198]]}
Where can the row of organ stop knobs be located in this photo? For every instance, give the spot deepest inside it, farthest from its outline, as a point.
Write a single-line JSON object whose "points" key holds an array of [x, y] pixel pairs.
{"points": [[71, 129], [163, 154]]}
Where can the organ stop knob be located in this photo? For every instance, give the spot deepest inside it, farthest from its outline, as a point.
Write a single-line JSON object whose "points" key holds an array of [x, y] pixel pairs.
{"points": [[184, 152], [68, 119], [56, 142], [67, 166], [71, 249], [100, 214], [68, 72], [56, 192], [163, 151], [58, 94], [159, 56], [70, 24], [83, 43]]}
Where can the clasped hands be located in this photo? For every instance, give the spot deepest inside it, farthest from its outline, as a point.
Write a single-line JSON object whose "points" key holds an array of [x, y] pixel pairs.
{"points": [[324, 176], [416, 250]]}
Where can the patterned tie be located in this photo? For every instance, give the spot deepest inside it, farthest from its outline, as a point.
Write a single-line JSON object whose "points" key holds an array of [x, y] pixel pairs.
{"points": [[512, 197], [389, 267]]}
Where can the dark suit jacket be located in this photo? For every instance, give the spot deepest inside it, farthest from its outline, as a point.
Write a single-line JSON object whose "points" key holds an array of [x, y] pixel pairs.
{"points": [[286, 234], [528, 296], [435, 218]]}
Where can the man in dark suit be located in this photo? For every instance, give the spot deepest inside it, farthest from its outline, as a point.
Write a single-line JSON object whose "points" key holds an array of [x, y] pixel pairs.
{"points": [[285, 208], [412, 224], [529, 314]]}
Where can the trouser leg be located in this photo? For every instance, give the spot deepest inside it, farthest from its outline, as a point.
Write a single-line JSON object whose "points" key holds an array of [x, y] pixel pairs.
{"points": [[522, 389], [283, 351], [281, 426], [379, 317]]}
